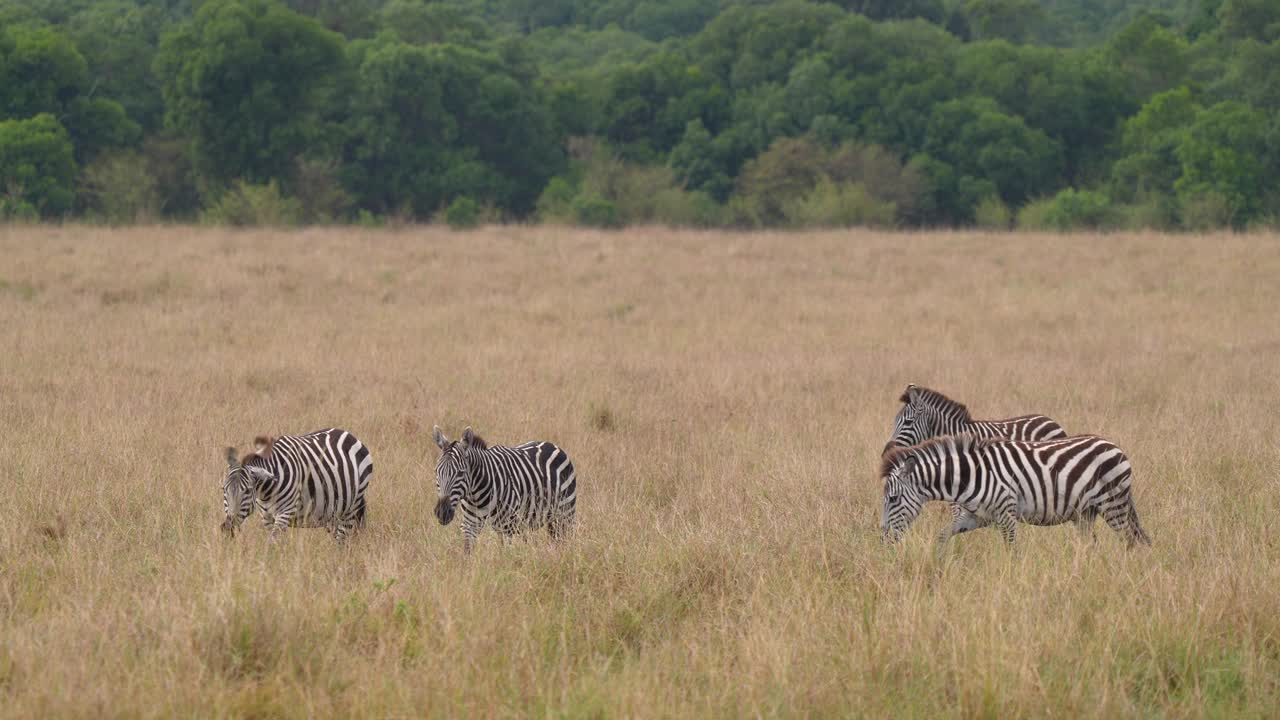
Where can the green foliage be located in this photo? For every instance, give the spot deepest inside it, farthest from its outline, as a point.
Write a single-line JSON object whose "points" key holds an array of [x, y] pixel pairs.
{"points": [[400, 108], [122, 187], [787, 175], [246, 204], [243, 80], [462, 213], [992, 214], [1074, 209], [595, 211], [1226, 152], [831, 204], [37, 166], [433, 123]]}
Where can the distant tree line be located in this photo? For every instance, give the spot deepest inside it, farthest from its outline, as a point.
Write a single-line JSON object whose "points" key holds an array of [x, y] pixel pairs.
{"points": [[1056, 114]]}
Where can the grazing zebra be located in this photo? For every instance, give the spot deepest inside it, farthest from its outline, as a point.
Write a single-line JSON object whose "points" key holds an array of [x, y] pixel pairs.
{"points": [[927, 414], [1005, 481], [313, 480], [512, 488]]}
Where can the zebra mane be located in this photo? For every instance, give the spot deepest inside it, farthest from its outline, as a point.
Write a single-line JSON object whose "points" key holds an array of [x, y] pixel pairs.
{"points": [[933, 398], [478, 442], [941, 445]]}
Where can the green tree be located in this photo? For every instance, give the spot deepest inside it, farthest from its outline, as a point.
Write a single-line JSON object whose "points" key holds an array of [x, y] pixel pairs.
{"points": [[42, 72], [37, 165], [975, 138], [430, 124], [1226, 152], [1254, 19], [244, 80], [1012, 20], [118, 39], [1148, 163]]}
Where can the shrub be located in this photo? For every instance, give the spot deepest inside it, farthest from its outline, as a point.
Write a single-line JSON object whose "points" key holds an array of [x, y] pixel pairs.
{"points": [[1070, 209], [319, 192], [247, 204], [122, 187], [1034, 215], [554, 204], [992, 214], [37, 165], [832, 204], [792, 167], [462, 213], [1207, 211], [595, 211]]}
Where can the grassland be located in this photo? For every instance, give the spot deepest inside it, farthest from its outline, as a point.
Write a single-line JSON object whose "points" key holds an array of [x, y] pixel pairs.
{"points": [[724, 398]]}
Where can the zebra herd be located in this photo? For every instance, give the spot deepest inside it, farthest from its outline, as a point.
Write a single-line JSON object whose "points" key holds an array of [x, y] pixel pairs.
{"points": [[1024, 469]]}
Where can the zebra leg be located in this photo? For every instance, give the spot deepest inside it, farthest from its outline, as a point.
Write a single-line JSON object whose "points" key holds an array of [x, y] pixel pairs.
{"points": [[280, 525], [1084, 523], [1008, 522], [470, 528], [561, 524], [343, 530]]}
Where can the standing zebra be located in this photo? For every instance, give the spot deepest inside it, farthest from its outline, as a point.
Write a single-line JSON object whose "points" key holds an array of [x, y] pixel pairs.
{"points": [[1005, 481], [927, 414], [513, 488], [313, 480]]}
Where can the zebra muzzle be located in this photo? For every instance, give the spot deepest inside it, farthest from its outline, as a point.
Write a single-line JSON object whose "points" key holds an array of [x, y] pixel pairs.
{"points": [[444, 512], [229, 527]]}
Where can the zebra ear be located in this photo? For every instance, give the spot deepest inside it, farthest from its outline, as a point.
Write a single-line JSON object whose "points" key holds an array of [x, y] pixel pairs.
{"points": [[262, 444], [440, 439], [908, 466], [906, 394], [231, 457], [467, 437]]}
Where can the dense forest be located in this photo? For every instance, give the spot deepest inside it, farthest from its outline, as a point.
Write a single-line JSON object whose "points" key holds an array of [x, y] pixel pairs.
{"points": [[1054, 114]]}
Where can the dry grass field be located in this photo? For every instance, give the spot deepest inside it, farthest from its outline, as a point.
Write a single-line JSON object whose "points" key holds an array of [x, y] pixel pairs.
{"points": [[724, 398]]}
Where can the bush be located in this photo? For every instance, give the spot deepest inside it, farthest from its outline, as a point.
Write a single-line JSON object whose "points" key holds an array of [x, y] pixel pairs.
{"points": [[247, 204], [1153, 214], [122, 187], [37, 165], [319, 192], [993, 214], [595, 211], [1070, 209], [462, 213], [554, 204], [681, 208], [17, 210], [832, 204], [793, 167], [1207, 211], [1034, 215]]}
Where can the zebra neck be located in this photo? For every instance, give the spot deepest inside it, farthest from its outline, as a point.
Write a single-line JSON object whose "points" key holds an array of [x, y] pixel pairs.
{"points": [[484, 480], [943, 476]]}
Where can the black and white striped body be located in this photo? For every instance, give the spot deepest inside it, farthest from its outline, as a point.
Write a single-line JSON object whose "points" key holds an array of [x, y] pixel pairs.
{"points": [[513, 489], [927, 414], [1008, 481], [313, 480]]}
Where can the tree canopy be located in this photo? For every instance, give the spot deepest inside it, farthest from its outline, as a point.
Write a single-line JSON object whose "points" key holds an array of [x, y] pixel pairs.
{"points": [[708, 112]]}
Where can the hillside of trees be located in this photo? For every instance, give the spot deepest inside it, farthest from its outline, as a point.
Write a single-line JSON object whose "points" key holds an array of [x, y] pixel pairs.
{"points": [[1055, 114]]}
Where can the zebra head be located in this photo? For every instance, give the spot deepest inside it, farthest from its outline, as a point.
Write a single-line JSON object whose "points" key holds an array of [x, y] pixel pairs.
{"points": [[238, 491], [453, 473], [902, 499], [915, 422]]}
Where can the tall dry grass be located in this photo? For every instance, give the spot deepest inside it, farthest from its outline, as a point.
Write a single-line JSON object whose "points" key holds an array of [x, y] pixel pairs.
{"points": [[724, 398]]}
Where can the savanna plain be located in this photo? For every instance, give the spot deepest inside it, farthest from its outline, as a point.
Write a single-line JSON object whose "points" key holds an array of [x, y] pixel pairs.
{"points": [[724, 397]]}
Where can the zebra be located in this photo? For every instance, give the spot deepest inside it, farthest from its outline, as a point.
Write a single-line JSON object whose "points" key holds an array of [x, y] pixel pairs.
{"points": [[313, 480], [1046, 482], [927, 414], [512, 488]]}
